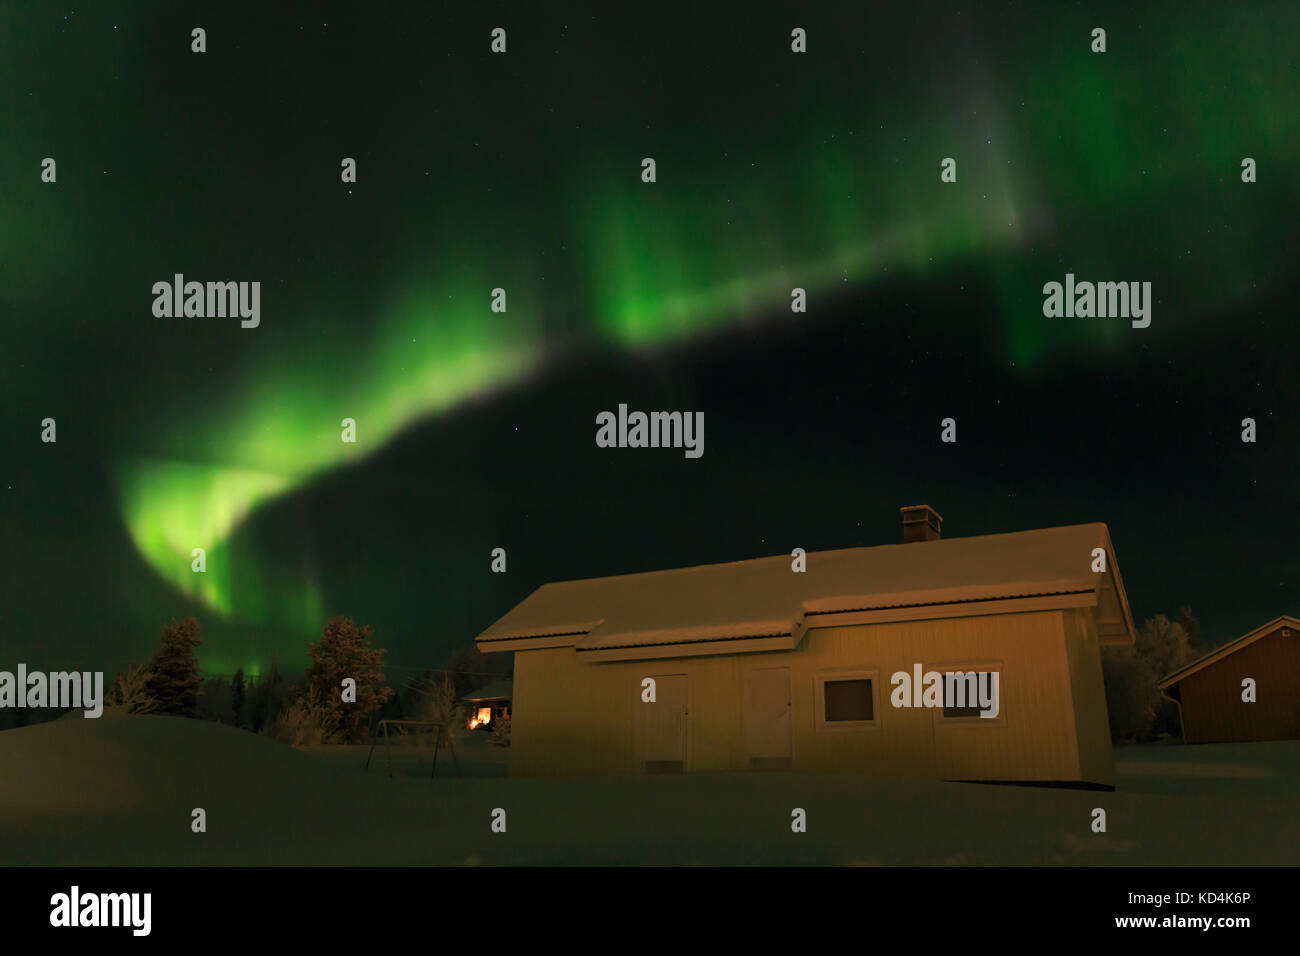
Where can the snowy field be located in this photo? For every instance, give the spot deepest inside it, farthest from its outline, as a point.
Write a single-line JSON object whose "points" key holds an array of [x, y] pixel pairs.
{"points": [[120, 791]]}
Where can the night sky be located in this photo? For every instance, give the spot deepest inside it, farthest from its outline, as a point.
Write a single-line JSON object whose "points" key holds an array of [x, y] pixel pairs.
{"points": [[523, 171]]}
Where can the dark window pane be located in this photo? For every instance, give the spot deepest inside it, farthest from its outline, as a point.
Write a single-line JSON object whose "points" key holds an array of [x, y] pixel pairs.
{"points": [[961, 694], [848, 700]]}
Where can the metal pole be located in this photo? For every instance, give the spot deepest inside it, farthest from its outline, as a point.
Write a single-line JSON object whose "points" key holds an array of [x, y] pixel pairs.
{"points": [[373, 738]]}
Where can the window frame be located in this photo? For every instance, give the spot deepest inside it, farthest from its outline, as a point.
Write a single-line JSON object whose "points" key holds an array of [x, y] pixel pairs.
{"points": [[833, 674], [979, 666]]}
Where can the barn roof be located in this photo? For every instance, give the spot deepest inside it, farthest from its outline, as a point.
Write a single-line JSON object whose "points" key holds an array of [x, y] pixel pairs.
{"points": [[1219, 653], [762, 604]]}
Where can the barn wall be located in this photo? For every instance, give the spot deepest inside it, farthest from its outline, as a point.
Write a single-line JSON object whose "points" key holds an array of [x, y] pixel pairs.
{"points": [[1212, 708], [572, 717]]}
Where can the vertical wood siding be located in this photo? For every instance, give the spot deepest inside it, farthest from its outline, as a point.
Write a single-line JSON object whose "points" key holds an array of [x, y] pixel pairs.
{"points": [[1091, 719], [571, 717], [1212, 708]]}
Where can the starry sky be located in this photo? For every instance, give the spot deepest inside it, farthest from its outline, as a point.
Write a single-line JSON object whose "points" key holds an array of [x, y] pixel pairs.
{"points": [[523, 171]]}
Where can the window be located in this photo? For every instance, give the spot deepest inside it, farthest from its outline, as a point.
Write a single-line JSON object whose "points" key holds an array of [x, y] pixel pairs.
{"points": [[966, 689], [845, 699]]}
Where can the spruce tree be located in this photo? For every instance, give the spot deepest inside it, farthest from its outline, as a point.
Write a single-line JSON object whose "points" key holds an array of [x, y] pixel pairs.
{"points": [[273, 683], [174, 677], [344, 651], [237, 696], [1192, 626]]}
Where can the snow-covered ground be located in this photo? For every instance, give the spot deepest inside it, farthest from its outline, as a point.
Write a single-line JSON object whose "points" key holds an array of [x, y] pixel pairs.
{"points": [[121, 790]]}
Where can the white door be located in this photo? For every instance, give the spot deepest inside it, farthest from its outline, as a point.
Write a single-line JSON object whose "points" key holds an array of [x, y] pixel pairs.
{"points": [[767, 718], [661, 726]]}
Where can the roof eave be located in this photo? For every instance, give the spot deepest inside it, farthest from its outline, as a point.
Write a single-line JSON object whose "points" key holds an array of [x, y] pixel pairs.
{"points": [[1228, 649]]}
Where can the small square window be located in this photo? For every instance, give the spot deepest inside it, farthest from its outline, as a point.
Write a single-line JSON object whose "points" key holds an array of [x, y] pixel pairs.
{"points": [[844, 699], [961, 693], [848, 700]]}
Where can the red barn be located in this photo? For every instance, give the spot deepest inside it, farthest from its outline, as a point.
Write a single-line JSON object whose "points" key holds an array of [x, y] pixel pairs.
{"points": [[1248, 689]]}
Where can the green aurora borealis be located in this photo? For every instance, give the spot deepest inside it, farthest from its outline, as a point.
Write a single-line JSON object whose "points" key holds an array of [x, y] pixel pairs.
{"points": [[522, 171]]}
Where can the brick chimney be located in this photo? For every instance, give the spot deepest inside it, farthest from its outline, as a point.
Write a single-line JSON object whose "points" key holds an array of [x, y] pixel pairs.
{"points": [[920, 523]]}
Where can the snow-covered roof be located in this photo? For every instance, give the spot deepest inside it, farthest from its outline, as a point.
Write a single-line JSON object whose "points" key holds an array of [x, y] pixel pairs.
{"points": [[1223, 650], [764, 598], [497, 690]]}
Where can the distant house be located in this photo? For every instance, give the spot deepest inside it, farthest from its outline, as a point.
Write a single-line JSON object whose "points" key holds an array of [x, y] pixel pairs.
{"points": [[1211, 691], [758, 666], [487, 705]]}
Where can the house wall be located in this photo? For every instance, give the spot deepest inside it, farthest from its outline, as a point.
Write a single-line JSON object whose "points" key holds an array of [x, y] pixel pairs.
{"points": [[571, 717], [1088, 687], [1212, 708]]}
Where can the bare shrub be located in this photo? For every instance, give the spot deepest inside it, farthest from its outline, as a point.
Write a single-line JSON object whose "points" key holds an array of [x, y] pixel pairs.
{"points": [[436, 700], [501, 732], [130, 691], [304, 724]]}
